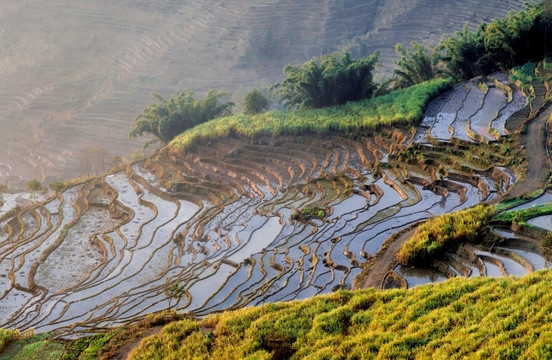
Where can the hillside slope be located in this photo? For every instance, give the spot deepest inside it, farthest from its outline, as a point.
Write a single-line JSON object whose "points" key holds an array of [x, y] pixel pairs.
{"points": [[479, 319], [74, 74], [238, 221]]}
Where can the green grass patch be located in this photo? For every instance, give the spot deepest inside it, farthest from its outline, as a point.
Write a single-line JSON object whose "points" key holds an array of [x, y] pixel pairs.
{"points": [[77, 347], [510, 203], [401, 107], [441, 233], [525, 214], [42, 350], [38, 347], [481, 318], [96, 342]]}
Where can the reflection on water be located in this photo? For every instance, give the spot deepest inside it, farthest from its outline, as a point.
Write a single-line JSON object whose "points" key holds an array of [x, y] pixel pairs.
{"points": [[416, 277], [544, 222], [543, 199]]}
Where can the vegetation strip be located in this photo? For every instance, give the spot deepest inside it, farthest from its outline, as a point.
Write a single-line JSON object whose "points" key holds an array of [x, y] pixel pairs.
{"points": [[401, 107], [480, 318]]}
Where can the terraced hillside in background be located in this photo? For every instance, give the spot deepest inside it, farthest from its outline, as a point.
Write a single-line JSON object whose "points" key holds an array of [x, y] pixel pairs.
{"points": [[240, 222], [75, 74]]}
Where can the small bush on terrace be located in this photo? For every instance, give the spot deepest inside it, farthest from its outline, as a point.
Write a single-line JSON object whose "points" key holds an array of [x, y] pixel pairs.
{"points": [[255, 102]]}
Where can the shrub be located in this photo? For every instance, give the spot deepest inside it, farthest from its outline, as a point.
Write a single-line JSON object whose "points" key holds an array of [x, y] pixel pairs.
{"points": [[7, 336], [255, 102]]}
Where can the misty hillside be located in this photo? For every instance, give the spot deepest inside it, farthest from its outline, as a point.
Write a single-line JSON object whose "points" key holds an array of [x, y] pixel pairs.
{"points": [[249, 235], [74, 74]]}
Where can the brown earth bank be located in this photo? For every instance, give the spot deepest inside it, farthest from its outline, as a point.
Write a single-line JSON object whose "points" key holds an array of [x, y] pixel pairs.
{"points": [[538, 162]]}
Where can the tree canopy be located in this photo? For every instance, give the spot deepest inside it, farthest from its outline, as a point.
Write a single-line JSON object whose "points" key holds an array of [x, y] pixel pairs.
{"points": [[331, 80], [168, 118], [500, 45], [33, 185], [414, 66], [255, 102]]}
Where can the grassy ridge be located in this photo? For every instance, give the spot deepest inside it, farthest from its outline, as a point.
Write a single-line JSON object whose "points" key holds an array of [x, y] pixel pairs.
{"points": [[480, 318], [399, 107], [525, 214], [438, 234]]}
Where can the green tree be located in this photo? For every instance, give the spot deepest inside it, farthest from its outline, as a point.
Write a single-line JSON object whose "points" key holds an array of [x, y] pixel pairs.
{"points": [[173, 292], [58, 186], [168, 118], [499, 45], [255, 102], [461, 53], [33, 186], [331, 80], [415, 65]]}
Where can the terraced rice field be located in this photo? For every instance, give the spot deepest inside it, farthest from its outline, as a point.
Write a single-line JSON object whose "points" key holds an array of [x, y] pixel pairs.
{"points": [[515, 256], [469, 113], [240, 223], [75, 74]]}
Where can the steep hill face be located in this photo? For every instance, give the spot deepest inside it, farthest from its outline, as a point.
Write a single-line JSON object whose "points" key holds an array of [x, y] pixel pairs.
{"points": [[74, 74]]}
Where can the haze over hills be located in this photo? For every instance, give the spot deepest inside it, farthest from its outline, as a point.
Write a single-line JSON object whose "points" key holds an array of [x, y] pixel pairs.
{"points": [[74, 74], [250, 220]]}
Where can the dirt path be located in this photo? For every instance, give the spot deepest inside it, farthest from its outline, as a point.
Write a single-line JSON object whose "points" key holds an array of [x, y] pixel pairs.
{"points": [[538, 162], [385, 261], [127, 348]]}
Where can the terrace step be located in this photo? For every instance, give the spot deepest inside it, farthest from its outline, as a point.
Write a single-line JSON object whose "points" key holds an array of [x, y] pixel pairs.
{"points": [[219, 223]]}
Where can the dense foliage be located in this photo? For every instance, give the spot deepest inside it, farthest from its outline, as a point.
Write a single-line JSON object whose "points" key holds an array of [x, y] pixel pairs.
{"points": [[44, 346], [480, 318], [168, 118], [523, 74], [441, 233], [254, 102], [414, 66], [399, 107], [500, 45], [331, 80]]}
